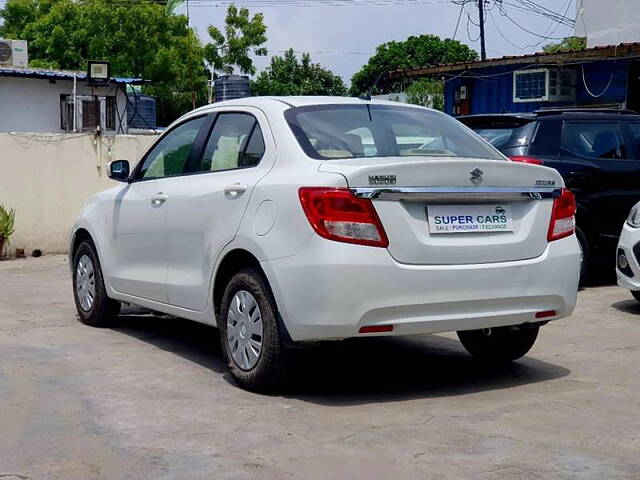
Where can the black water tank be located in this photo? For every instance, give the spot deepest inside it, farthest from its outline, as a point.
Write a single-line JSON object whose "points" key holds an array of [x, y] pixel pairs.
{"points": [[229, 87], [141, 111]]}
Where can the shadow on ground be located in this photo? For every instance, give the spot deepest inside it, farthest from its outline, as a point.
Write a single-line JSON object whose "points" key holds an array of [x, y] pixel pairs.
{"points": [[355, 371], [628, 306]]}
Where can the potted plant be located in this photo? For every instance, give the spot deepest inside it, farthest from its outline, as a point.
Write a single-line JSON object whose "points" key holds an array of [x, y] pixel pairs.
{"points": [[7, 223]]}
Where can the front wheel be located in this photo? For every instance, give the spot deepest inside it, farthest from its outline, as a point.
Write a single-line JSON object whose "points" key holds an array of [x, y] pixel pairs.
{"points": [[93, 305], [249, 333], [499, 345]]}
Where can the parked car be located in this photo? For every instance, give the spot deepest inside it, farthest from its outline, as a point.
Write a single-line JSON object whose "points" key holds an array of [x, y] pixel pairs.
{"points": [[269, 218], [596, 151], [628, 254]]}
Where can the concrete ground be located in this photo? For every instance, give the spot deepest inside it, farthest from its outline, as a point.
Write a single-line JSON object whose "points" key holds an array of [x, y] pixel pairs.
{"points": [[150, 399]]}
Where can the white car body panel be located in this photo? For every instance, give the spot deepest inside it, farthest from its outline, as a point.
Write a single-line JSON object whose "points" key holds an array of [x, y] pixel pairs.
{"points": [[406, 225], [137, 239], [203, 216], [166, 258], [629, 238], [330, 291]]}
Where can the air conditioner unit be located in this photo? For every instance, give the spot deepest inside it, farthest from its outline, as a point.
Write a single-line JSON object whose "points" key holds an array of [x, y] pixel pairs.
{"points": [[14, 53], [544, 85]]}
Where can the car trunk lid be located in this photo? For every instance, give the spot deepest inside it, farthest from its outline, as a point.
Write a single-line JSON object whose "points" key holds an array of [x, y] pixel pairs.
{"points": [[442, 211]]}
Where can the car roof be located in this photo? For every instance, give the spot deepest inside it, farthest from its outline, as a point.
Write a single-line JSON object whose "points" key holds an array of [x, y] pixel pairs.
{"points": [[497, 116], [303, 101], [500, 119], [281, 103], [524, 117]]}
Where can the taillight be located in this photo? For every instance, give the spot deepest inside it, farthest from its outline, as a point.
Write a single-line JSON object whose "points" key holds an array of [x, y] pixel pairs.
{"points": [[337, 214], [563, 220], [525, 159]]}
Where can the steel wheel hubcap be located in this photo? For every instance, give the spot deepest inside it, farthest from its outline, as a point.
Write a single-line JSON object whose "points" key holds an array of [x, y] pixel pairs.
{"points": [[85, 283], [244, 330]]}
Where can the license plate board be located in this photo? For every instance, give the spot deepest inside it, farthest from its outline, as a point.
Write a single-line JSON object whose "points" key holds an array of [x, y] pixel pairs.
{"points": [[469, 218]]}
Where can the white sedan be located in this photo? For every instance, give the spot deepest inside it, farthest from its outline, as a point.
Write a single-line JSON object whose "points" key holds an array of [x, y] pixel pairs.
{"points": [[628, 254], [268, 218]]}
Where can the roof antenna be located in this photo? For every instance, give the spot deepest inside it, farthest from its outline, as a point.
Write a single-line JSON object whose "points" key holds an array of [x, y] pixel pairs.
{"points": [[367, 94]]}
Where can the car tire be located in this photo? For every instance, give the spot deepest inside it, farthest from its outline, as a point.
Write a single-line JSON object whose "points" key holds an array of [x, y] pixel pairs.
{"points": [[636, 294], [94, 307], [251, 340], [499, 345], [586, 255]]}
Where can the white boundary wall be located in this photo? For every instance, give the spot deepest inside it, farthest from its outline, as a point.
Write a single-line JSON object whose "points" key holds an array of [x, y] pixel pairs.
{"points": [[33, 104], [47, 177], [609, 22]]}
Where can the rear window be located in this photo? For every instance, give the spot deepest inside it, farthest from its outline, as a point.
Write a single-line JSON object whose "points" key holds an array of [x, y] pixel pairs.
{"points": [[593, 140], [498, 137], [351, 131]]}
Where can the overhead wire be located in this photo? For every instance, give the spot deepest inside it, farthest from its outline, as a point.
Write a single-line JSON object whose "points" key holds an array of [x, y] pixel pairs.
{"points": [[533, 8], [505, 38], [455, 32], [311, 3], [586, 87], [550, 30], [469, 32], [505, 14]]}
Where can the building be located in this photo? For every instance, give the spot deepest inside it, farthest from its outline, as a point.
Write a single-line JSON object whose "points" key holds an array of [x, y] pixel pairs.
{"points": [[53, 101], [607, 23], [607, 76]]}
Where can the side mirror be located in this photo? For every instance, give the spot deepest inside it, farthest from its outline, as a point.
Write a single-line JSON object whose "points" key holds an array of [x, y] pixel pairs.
{"points": [[119, 170]]}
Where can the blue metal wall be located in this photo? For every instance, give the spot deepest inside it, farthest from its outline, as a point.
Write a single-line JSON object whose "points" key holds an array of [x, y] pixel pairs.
{"points": [[491, 89]]}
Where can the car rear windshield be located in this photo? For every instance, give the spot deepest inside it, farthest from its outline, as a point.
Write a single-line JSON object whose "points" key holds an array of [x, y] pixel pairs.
{"points": [[328, 132], [498, 137]]}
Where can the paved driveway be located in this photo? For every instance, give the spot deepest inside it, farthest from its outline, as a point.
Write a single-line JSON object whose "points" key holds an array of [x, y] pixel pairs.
{"points": [[149, 398]]}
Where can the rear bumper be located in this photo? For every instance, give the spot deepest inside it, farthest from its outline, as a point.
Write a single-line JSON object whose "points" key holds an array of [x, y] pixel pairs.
{"points": [[331, 289], [629, 238]]}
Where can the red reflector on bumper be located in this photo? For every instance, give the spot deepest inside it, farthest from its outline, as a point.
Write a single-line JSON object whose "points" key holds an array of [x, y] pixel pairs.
{"points": [[376, 329], [546, 313]]}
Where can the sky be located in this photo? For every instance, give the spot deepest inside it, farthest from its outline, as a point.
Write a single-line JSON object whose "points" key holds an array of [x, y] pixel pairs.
{"points": [[343, 37]]}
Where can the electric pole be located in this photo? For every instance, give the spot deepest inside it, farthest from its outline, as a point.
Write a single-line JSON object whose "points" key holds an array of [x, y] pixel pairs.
{"points": [[483, 51]]}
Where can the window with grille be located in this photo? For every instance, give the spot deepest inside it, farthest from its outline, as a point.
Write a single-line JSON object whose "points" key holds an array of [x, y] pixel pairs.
{"points": [[530, 85], [544, 85], [91, 112]]}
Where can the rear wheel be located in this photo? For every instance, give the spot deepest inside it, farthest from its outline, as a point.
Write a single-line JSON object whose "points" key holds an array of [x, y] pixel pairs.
{"points": [[93, 305], [636, 294], [499, 345], [251, 342]]}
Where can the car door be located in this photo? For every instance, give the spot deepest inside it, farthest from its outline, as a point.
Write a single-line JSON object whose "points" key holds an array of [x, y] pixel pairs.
{"points": [[206, 210], [138, 235], [598, 165]]}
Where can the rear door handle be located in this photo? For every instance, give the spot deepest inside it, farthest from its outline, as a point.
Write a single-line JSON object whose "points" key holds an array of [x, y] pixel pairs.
{"points": [[235, 191], [158, 199]]}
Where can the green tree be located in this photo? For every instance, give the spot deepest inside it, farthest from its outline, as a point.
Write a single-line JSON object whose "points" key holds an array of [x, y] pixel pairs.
{"points": [[17, 14], [426, 92], [287, 75], [569, 44], [139, 38], [243, 34], [414, 52]]}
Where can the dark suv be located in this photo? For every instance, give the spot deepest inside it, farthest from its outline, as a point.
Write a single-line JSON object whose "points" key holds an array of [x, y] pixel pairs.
{"points": [[596, 151]]}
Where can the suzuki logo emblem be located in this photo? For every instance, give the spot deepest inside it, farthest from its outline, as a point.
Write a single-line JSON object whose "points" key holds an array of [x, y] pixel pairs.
{"points": [[476, 176]]}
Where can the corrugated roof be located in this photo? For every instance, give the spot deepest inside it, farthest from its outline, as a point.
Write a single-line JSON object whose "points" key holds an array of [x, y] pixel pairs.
{"points": [[62, 75], [624, 50]]}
